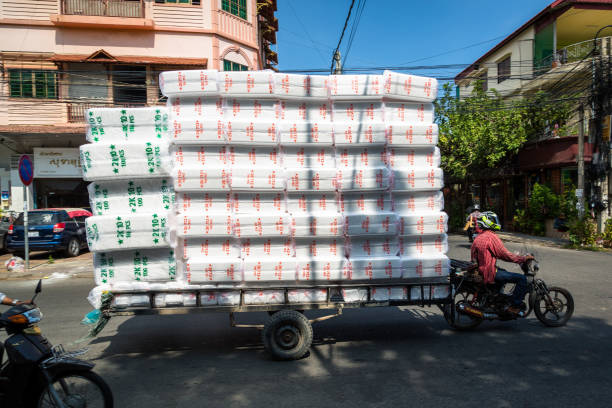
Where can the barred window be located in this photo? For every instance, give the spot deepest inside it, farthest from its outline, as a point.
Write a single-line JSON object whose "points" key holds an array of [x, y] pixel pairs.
{"points": [[236, 7], [503, 70], [191, 2], [26, 83], [233, 66]]}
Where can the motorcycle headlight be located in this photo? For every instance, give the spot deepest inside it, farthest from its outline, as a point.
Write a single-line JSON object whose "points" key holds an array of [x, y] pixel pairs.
{"points": [[33, 316]]}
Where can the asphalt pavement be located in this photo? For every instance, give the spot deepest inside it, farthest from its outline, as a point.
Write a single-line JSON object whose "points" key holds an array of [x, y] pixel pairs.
{"points": [[372, 357]]}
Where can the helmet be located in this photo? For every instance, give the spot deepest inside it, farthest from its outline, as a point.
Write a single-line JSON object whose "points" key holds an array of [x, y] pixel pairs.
{"points": [[476, 207], [488, 220]]}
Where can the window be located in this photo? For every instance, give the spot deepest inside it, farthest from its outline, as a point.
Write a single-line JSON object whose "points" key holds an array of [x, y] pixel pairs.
{"points": [[25, 83], [129, 84], [503, 70], [484, 81], [233, 66], [191, 2], [236, 7]]}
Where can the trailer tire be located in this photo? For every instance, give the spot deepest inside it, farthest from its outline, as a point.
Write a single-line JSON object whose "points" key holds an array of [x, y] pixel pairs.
{"points": [[287, 335]]}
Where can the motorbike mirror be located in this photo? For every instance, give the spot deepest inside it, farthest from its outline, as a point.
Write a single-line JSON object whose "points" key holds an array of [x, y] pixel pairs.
{"points": [[37, 290]]}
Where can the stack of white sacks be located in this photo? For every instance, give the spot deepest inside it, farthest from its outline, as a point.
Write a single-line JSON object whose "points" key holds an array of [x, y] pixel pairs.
{"points": [[281, 180]]}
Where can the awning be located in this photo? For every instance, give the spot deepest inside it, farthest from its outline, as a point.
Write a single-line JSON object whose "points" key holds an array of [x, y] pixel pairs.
{"points": [[131, 59], [560, 152]]}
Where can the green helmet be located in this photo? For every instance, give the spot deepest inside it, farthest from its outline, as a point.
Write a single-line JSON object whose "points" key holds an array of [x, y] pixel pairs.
{"points": [[488, 220]]}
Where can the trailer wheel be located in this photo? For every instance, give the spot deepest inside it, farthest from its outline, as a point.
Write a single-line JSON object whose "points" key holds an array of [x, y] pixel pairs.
{"points": [[287, 335]]}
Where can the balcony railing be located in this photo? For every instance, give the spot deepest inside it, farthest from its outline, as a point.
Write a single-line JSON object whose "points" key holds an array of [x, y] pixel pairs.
{"points": [[571, 53], [104, 8], [76, 110]]}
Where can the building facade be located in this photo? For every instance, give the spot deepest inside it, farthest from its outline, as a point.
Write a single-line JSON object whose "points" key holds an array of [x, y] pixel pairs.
{"points": [[59, 57], [554, 52]]}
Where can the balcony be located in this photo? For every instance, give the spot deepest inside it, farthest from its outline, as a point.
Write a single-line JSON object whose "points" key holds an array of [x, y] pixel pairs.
{"points": [[571, 54], [104, 8]]}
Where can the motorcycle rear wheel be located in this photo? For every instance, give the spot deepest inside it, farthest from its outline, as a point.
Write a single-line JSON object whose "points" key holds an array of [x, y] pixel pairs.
{"points": [[76, 389], [555, 308], [461, 321]]}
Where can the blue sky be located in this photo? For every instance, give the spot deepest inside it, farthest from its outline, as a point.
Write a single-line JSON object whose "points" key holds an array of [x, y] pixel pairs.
{"points": [[402, 33]]}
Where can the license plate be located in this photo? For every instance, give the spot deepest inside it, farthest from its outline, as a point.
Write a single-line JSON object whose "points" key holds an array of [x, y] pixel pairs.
{"points": [[32, 234]]}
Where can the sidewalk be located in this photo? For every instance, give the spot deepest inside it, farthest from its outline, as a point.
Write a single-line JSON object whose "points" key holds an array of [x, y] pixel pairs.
{"points": [[40, 268], [532, 240]]}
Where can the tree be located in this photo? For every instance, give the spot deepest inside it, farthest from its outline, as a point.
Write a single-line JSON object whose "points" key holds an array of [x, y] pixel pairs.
{"points": [[479, 132]]}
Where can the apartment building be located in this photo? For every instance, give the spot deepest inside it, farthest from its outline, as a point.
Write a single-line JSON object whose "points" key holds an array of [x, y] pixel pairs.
{"points": [[59, 57], [554, 52]]}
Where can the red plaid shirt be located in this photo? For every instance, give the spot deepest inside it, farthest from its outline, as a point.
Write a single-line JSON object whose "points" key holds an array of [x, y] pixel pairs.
{"points": [[486, 250]]}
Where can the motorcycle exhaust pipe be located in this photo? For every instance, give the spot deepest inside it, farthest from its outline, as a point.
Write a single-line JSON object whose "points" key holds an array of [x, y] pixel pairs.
{"points": [[472, 311]]}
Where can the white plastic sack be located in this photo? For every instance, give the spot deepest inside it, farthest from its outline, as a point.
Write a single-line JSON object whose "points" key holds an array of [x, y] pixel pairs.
{"points": [[308, 157], [355, 295], [201, 179], [368, 268], [417, 202], [312, 203], [422, 157], [208, 299], [187, 109], [280, 269], [120, 125], [315, 248], [267, 248], [259, 203], [305, 110], [122, 301], [423, 223], [361, 157], [408, 112], [417, 179], [261, 225], [252, 132], [213, 270], [296, 86], [129, 231], [320, 269], [248, 178], [358, 112], [174, 299], [198, 224], [190, 82], [411, 134], [228, 298], [199, 247], [306, 133], [351, 134], [379, 223], [247, 84], [198, 131], [131, 196], [355, 87], [373, 246], [202, 202], [358, 179], [310, 179], [423, 267], [429, 292], [124, 160], [317, 225], [264, 297], [365, 203], [199, 156], [409, 87], [138, 265], [307, 296], [423, 245]]}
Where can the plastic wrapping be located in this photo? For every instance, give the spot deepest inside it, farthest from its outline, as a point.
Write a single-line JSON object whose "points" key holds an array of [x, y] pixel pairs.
{"points": [[417, 202], [187, 109], [307, 295], [320, 269], [259, 203], [122, 301], [312, 203], [295, 86], [429, 292], [359, 112], [199, 156], [354, 295], [264, 297], [125, 160], [365, 203], [252, 132], [361, 157], [306, 133], [355, 87], [368, 268], [247, 84], [131, 196], [379, 223], [409, 87], [310, 179], [420, 157], [228, 298], [423, 267], [315, 248], [347, 133], [375, 246], [213, 270], [269, 270], [423, 224], [208, 224], [417, 179], [304, 111], [358, 179], [130, 231], [262, 225], [410, 113], [191, 82], [198, 131], [203, 202], [139, 265], [308, 157], [201, 179], [199, 247], [174, 299], [411, 134], [266, 157], [317, 225], [267, 248], [423, 245], [247, 178], [120, 125]]}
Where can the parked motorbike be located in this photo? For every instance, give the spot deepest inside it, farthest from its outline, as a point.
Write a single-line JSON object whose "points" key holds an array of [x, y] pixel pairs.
{"points": [[475, 301], [36, 374]]}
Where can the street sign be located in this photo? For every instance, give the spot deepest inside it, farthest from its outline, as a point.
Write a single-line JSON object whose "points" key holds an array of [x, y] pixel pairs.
{"points": [[26, 170]]}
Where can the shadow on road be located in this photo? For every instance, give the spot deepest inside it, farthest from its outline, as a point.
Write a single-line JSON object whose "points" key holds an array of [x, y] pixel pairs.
{"points": [[364, 357]]}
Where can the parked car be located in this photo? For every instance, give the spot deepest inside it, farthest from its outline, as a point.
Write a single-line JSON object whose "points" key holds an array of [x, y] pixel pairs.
{"points": [[50, 229], [5, 222]]}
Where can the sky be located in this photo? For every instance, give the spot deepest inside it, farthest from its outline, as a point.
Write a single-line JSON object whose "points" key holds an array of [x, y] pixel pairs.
{"points": [[397, 32]]}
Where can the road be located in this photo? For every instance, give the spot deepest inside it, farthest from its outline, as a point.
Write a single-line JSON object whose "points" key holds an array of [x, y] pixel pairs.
{"points": [[375, 357]]}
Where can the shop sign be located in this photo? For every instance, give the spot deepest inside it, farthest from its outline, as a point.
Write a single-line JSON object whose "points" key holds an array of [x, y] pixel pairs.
{"points": [[56, 163]]}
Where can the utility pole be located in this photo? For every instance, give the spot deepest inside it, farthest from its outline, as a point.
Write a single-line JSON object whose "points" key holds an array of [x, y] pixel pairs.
{"points": [[338, 61], [580, 189]]}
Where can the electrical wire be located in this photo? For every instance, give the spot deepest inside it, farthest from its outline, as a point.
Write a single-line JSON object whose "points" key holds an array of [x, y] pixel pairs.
{"points": [[342, 35]]}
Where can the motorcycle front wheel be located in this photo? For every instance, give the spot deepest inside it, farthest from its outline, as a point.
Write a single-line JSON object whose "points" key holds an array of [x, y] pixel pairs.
{"points": [[554, 308], [78, 389]]}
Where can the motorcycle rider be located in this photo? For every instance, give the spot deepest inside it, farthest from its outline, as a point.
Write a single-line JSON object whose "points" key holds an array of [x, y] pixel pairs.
{"points": [[471, 220], [487, 248], [5, 300]]}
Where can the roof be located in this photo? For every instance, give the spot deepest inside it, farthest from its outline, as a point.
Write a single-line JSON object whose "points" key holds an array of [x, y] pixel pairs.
{"points": [[555, 6], [128, 59]]}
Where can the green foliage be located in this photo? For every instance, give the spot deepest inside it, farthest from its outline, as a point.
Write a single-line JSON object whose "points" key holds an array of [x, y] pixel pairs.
{"points": [[50, 260], [456, 216], [543, 204], [541, 116], [607, 234], [479, 132], [582, 232]]}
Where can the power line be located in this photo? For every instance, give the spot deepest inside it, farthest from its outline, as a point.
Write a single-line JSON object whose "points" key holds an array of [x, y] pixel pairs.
{"points": [[342, 35]]}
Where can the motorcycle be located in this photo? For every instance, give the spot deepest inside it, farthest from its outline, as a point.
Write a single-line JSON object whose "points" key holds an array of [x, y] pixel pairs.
{"points": [[473, 301], [36, 374]]}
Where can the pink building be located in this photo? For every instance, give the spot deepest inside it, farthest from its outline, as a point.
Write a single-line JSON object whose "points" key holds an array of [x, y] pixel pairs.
{"points": [[58, 57]]}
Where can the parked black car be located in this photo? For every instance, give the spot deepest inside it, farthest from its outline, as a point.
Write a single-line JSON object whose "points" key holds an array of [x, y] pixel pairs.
{"points": [[50, 229]]}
